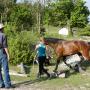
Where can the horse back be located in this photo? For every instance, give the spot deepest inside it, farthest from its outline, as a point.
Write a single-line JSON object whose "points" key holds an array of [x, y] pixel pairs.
{"points": [[73, 47], [67, 47]]}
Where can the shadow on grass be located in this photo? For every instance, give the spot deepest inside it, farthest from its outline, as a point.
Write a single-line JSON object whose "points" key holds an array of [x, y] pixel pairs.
{"points": [[85, 64], [31, 81]]}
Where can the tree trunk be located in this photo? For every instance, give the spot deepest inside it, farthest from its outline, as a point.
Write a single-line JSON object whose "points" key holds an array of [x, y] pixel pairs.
{"points": [[69, 28], [38, 16], [1, 18]]}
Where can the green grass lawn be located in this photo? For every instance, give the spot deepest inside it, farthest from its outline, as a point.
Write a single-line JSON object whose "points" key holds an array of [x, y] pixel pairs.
{"points": [[75, 80]]}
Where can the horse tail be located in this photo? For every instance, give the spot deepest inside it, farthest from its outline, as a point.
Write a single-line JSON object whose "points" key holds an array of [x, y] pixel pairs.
{"points": [[89, 45], [89, 52], [86, 51]]}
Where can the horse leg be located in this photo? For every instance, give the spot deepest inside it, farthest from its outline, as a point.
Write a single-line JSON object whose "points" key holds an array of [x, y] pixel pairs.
{"points": [[57, 63], [64, 60], [85, 53], [77, 67], [81, 57]]}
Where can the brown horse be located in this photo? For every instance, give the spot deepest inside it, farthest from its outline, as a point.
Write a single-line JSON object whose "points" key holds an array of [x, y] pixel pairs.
{"points": [[65, 48]]}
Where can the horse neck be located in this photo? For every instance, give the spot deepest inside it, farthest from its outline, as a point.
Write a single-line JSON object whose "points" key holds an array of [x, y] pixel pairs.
{"points": [[52, 45], [89, 46]]}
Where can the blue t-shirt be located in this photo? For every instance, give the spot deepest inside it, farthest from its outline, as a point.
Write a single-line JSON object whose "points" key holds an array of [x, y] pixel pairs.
{"points": [[41, 51]]}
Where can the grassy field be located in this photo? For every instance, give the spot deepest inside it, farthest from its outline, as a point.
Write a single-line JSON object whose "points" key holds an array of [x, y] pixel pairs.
{"points": [[75, 81]]}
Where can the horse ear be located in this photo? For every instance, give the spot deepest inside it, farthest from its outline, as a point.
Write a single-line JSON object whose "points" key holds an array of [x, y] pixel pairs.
{"points": [[46, 43]]}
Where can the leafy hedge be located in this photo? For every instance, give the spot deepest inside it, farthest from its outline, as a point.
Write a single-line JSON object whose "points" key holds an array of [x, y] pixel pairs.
{"points": [[21, 44], [21, 47]]}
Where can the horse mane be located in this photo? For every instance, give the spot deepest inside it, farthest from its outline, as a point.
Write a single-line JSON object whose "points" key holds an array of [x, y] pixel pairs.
{"points": [[53, 40]]}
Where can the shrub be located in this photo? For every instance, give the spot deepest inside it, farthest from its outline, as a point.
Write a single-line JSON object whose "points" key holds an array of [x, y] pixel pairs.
{"points": [[85, 31], [21, 48]]}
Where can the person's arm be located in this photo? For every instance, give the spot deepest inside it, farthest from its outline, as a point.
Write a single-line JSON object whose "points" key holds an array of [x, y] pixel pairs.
{"points": [[5, 46], [47, 47], [6, 50], [36, 47]]}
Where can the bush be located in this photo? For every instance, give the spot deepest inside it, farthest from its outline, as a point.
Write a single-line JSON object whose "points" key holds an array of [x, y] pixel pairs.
{"points": [[21, 48], [85, 31]]}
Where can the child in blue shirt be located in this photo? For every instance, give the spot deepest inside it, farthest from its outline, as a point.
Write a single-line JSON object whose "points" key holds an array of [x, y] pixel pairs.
{"points": [[41, 53]]}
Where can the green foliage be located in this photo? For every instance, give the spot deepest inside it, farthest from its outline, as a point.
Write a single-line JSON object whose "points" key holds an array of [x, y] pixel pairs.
{"points": [[21, 16], [61, 11], [21, 48], [5, 9], [85, 31], [79, 14]]}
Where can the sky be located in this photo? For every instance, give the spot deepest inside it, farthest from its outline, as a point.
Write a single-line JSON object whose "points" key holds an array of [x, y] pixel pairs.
{"points": [[88, 4]]}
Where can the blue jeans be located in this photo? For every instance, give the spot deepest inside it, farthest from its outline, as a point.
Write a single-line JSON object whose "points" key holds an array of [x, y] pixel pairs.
{"points": [[4, 64]]}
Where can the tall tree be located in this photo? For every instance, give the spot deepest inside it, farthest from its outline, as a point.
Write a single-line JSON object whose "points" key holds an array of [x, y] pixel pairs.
{"points": [[5, 7], [21, 16], [79, 15], [73, 13]]}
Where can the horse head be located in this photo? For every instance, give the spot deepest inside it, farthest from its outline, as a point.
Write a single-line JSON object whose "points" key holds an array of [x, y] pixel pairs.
{"points": [[52, 41]]}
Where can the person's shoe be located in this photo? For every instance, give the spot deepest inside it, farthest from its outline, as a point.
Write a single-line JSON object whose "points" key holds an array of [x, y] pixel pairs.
{"points": [[46, 69], [2, 86], [8, 87], [48, 76]]}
